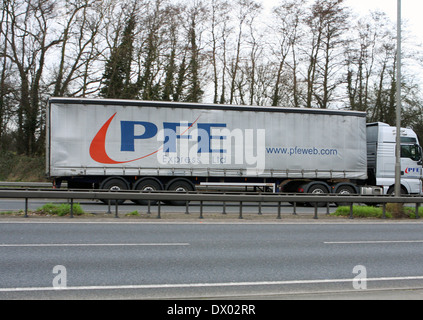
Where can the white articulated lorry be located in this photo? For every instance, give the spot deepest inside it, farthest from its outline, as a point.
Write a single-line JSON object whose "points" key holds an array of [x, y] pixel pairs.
{"points": [[141, 145]]}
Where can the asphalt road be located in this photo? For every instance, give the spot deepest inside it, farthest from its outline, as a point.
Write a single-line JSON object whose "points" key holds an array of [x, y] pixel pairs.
{"points": [[127, 259]]}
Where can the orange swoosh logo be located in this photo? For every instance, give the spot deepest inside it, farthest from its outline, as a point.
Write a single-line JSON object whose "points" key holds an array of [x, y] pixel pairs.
{"points": [[98, 146]]}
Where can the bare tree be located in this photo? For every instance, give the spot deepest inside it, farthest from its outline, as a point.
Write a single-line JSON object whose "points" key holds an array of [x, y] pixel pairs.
{"points": [[81, 21], [28, 42], [326, 22], [371, 66], [246, 10], [5, 78], [360, 60], [219, 32], [287, 31], [337, 16], [196, 18], [172, 52]]}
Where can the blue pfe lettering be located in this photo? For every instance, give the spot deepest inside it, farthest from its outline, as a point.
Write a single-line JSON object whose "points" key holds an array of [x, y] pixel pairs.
{"points": [[205, 137], [170, 136], [128, 133]]}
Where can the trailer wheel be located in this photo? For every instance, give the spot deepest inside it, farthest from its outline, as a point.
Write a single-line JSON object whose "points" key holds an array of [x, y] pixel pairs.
{"points": [[318, 189], [147, 185], [114, 184], [179, 185]]}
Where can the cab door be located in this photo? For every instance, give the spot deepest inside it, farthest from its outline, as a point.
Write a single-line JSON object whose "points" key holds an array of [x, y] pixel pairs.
{"points": [[411, 168]]}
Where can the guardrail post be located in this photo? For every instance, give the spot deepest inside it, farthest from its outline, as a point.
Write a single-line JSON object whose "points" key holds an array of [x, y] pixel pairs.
{"points": [[327, 209], [158, 210], [295, 209], [260, 213], [315, 211], [26, 207], [108, 207], [279, 211], [240, 210], [187, 207], [149, 207], [71, 208], [201, 210], [384, 211], [417, 210], [351, 211], [117, 209], [224, 207]]}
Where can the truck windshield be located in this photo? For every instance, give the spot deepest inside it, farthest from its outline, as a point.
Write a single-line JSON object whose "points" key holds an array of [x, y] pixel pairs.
{"points": [[408, 140], [412, 152]]}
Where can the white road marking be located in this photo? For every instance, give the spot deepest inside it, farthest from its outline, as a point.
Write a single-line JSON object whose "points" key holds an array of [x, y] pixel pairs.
{"points": [[92, 245], [205, 285], [374, 242]]}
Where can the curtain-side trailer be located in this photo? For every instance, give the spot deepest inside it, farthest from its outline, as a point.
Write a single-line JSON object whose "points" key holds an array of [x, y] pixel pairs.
{"points": [[143, 145]]}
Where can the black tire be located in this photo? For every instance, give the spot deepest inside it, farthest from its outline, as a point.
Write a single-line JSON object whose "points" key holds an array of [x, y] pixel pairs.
{"points": [[114, 184], [179, 186], [147, 185], [391, 191], [345, 190], [318, 189]]}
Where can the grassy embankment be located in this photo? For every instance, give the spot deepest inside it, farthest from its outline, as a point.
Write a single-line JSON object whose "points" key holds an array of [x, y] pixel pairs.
{"points": [[21, 168]]}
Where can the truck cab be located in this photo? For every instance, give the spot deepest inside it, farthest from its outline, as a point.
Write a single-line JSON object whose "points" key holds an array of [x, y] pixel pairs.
{"points": [[381, 146]]}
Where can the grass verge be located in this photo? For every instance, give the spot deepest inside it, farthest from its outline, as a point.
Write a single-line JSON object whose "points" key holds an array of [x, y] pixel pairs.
{"points": [[59, 209], [392, 211]]}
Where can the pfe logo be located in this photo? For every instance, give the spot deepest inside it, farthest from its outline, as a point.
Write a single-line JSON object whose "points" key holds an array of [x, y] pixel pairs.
{"points": [[412, 170], [171, 135]]}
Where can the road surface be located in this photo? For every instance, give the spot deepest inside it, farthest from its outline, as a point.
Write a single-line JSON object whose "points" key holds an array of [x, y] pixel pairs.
{"points": [[128, 259]]}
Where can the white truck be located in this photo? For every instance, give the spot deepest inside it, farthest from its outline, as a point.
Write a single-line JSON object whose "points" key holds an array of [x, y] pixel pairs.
{"points": [[381, 145], [143, 145]]}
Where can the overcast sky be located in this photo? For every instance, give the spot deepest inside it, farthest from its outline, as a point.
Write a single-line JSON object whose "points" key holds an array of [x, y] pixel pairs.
{"points": [[411, 11], [411, 16]]}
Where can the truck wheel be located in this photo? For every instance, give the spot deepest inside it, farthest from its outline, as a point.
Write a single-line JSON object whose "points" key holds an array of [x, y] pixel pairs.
{"points": [[114, 184], [318, 189], [147, 185], [345, 191], [180, 186], [391, 191]]}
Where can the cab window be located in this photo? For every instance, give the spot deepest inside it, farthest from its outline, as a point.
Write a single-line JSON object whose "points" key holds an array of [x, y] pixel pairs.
{"points": [[411, 151]]}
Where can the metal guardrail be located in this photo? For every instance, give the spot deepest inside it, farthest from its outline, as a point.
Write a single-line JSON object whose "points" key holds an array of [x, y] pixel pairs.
{"points": [[259, 198], [25, 184], [28, 184]]}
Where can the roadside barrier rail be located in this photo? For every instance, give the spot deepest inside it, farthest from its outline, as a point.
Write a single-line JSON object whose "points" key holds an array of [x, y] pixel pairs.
{"points": [[113, 197], [25, 184]]}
